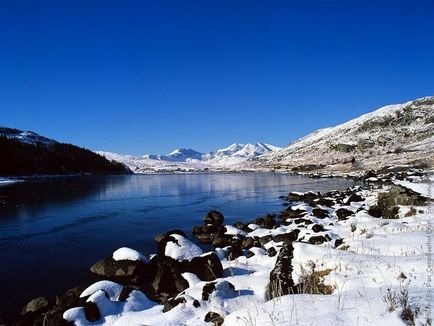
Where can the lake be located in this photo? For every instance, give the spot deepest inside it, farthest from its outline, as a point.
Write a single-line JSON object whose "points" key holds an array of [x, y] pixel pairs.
{"points": [[53, 229]]}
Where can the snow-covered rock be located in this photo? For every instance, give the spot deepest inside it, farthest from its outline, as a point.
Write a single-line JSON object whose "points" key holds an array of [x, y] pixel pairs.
{"points": [[182, 248], [125, 253]]}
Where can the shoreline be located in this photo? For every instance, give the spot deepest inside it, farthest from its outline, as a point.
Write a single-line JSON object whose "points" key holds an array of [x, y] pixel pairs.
{"points": [[228, 252]]}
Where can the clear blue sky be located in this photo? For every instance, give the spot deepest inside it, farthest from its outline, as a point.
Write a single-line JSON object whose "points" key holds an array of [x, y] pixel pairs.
{"points": [[149, 76]]}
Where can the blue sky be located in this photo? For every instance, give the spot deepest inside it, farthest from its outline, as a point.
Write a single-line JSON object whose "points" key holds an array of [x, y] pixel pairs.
{"points": [[150, 76]]}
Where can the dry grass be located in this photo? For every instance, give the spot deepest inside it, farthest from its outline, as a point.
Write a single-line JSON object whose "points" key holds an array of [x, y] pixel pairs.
{"points": [[312, 281]]}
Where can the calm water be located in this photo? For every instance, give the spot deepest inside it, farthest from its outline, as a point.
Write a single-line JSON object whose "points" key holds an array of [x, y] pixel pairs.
{"points": [[52, 230]]}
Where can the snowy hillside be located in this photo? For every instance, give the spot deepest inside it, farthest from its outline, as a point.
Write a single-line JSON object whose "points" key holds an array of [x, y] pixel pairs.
{"points": [[231, 157], [392, 135], [28, 137]]}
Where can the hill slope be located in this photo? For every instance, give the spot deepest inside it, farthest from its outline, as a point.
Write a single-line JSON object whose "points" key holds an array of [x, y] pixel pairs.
{"points": [[27, 153], [392, 135]]}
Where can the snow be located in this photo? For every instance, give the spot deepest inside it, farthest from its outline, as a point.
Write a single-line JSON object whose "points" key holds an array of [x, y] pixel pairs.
{"points": [[182, 249], [426, 188], [111, 288], [125, 253], [231, 230], [28, 137], [187, 159], [379, 138], [379, 255]]}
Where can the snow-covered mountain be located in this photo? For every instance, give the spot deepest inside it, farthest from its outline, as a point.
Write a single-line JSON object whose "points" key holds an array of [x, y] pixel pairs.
{"points": [[28, 137], [392, 135], [178, 155], [231, 157]]}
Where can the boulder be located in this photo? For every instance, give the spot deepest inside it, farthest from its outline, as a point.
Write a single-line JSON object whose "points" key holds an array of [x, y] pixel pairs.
{"points": [[221, 240], [281, 282], [207, 267], [161, 236], [91, 311], [36, 306], [343, 213], [235, 249], [172, 303], [215, 318], [318, 239], [168, 281], [293, 213], [207, 289], [375, 211], [317, 228], [265, 239], [287, 237], [303, 220], [338, 242], [125, 293], [120, 270], [214, 218], [320, 213], [354, 198], [271, 252]]}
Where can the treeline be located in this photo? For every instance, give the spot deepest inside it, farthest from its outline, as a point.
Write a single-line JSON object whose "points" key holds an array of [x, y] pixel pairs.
{"points": [[18, 158]]}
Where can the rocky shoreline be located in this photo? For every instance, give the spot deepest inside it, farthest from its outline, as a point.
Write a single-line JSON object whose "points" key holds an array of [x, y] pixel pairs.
{"points": [[181, 284]]}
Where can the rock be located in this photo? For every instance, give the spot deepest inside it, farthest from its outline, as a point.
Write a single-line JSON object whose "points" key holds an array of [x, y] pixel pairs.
{"points": [[221, 241], [207, 267], [292, 213], [249, 254], [125, 293], [121, 270], [343, 213], [172, 303], [354, 198], [269, 222], [214, 218], [36, 306], [315, 240], [324, 202], [375, 211], [281, 282], [317, 228], [204, 238], [295, 196], [71, 298], [207, 289], [205, 234], [265, 239], [215, 318], [287, 237], [320, 213], [235, 250], [161, 236], [168, 281], [196, 303], [303, 220], [91, 311], [240, 225], [271, 252], [338, 242], [248, 243]]}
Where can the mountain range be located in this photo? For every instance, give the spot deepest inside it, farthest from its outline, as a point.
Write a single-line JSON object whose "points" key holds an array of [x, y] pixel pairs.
{"points": [[187, 159], [400, 134]]}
